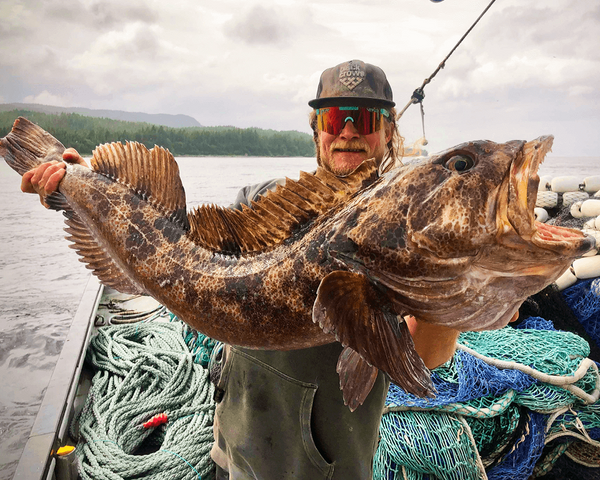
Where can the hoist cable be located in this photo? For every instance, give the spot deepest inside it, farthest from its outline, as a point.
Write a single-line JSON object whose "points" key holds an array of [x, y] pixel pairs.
{"points": [[418, 94]]}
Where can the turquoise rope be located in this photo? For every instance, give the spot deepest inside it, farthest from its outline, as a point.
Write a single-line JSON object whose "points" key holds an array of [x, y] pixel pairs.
{"points": [[142, 370]]}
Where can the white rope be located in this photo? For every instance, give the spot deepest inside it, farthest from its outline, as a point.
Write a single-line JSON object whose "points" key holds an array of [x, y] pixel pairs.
{"points": [[478, 460]]}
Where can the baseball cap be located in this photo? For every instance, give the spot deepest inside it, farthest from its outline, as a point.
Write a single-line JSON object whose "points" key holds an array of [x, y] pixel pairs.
{"points": [[353, 83]]}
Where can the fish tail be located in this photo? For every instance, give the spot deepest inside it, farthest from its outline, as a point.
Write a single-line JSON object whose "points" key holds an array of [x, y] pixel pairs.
{"points": [[28, 145]]}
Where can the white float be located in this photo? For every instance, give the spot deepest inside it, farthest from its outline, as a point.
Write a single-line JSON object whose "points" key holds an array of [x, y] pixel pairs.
{"points": [[591, 184], [545, 183], [540, 214], [566, 279], [565, 184], [590, 208], [588, 267], [546, 199], [575, 210]]}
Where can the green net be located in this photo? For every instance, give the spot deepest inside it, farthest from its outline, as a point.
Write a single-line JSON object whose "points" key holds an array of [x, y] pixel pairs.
{"points": [[505, 402]]}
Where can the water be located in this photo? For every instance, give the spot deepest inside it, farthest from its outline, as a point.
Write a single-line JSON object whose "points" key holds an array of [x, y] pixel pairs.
{"points": [[41, 281], [579, 167]]}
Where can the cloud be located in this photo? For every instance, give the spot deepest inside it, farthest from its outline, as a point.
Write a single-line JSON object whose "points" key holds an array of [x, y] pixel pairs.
{"points": [[101, 14], [551, 44], [47, 98], [527, 68], [259, 25]]}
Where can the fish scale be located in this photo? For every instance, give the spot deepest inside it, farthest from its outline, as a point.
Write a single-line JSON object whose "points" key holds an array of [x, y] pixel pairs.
{"points": [[350, 258]]}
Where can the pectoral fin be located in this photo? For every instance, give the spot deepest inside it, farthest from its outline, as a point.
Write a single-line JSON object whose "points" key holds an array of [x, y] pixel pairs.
{"points": [[357, 377], [361, 317]]}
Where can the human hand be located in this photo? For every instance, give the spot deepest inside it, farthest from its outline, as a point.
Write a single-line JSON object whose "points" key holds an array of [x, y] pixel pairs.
{"points": [[44, 179]]}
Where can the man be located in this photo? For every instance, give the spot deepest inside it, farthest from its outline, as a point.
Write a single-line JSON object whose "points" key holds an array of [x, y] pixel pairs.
{"points": [[280, 414]]}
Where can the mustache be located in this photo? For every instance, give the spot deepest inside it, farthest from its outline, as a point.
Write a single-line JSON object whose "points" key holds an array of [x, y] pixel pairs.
{"points": [[356, 144]]}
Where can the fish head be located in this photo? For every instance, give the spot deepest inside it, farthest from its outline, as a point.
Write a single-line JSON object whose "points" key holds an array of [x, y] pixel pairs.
{"points": [[454, 239]]}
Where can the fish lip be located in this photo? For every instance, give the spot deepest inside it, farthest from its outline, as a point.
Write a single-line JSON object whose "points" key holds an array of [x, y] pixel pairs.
{"points": [[518, 199]]}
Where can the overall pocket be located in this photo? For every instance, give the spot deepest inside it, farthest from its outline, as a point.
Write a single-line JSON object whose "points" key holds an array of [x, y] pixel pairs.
{"points": [[264, 422]]}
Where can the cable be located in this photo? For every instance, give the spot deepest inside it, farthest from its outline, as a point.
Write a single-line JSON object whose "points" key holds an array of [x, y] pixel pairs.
{"points": [[418, 95]]}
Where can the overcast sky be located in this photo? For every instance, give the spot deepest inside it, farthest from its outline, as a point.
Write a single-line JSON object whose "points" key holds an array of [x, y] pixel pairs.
{"points": [[528, 68]]}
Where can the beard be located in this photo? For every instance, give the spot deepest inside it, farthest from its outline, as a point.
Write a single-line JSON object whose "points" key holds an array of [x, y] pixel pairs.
{"points": [[334, 159]]}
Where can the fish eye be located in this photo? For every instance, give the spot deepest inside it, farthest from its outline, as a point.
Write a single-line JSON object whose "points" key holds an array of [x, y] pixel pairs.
{"points": [[459, 163]]}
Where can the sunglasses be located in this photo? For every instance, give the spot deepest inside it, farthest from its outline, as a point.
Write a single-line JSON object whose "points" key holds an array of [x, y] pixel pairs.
{"points": [[366, 120]]}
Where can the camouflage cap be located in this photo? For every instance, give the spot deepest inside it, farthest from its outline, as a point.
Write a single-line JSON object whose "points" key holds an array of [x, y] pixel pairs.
{"points": [[353, 83]]}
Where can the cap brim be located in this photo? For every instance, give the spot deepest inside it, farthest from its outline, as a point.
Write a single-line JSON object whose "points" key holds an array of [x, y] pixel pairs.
{"points": [[350, 101]]}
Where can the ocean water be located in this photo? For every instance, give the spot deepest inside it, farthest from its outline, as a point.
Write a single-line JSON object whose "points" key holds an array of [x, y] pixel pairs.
{"points": [[41, 280]]}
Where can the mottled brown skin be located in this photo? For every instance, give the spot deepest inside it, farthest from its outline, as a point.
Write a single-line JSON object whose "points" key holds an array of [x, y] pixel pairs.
{"points": [[428, 235], [228, 298], [455, 249], [459, 249]]}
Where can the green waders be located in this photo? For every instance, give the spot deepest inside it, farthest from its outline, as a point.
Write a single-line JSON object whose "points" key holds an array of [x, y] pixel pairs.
{"points": [[282, 416]]}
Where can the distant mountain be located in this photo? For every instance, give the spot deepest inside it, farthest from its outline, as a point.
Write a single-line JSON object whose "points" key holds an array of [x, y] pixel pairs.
{"points": [[167, 120]]}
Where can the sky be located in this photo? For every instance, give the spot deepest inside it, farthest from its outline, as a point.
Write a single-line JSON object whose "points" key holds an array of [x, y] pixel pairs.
{"points": [[529, 68]]}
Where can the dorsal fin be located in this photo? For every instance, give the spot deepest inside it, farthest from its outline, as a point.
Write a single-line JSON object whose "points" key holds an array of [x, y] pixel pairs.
{"points": [[278, 213], [153, 174]]}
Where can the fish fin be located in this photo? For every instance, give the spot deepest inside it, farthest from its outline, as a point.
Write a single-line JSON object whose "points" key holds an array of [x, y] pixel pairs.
{"points": [[152, 174], [362, 317], [95, 256], [27, 146], [277, 214], [357, 377], [57, 201]]}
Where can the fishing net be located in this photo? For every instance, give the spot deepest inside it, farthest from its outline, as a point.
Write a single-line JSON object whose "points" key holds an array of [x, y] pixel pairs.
{"points": [[199, 344], [506, 403], [551, 305], [584, 300]]}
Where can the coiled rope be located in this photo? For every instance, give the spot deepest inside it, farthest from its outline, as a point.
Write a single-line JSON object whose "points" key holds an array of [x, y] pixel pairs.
{"points": [[149, 413]]}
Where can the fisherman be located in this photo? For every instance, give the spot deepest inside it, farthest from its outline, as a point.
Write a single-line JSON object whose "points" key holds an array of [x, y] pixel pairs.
{"points": [[281, 414]]}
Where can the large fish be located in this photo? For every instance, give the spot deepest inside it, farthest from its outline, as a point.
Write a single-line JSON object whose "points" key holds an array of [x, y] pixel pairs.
{"points": [[451, 241]]}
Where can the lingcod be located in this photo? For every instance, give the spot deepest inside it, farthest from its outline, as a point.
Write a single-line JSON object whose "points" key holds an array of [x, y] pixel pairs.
{"points": [[451, 240]]}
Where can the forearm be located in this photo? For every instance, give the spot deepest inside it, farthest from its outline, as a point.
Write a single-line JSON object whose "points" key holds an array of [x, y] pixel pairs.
{"points": [[435, 344]]}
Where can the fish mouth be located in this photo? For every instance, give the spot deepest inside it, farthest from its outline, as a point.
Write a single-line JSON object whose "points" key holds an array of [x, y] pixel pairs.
{"points": [[516, 203]]}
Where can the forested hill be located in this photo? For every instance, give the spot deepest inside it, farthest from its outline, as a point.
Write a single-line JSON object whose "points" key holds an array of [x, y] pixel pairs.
{"points": [[164, 119], [85, 133]]}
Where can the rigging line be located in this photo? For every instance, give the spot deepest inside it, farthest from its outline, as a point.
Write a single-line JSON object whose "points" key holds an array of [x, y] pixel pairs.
{"points": [[418, 94]]}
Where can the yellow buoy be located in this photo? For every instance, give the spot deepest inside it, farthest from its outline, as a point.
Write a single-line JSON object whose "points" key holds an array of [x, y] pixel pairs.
{"points": [[65, 450]]}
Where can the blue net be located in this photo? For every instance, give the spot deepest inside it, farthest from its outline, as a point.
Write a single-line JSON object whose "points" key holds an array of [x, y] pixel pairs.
{"points": [[584, 300], [492, 421], [520, 462]]}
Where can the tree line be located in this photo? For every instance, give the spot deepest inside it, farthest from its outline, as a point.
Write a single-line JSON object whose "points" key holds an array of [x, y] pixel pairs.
{"points": [[85, 133]]}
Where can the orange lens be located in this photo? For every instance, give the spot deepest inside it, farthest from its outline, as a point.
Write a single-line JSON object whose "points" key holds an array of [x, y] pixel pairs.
{"points": [[366, 120]]}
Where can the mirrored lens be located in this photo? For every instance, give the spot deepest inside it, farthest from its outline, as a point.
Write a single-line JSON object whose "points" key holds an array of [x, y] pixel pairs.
{"points": [[366, 120]]}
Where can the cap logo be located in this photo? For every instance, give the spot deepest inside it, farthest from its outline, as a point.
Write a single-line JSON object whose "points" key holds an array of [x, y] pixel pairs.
{"points": [[351, 75]]}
